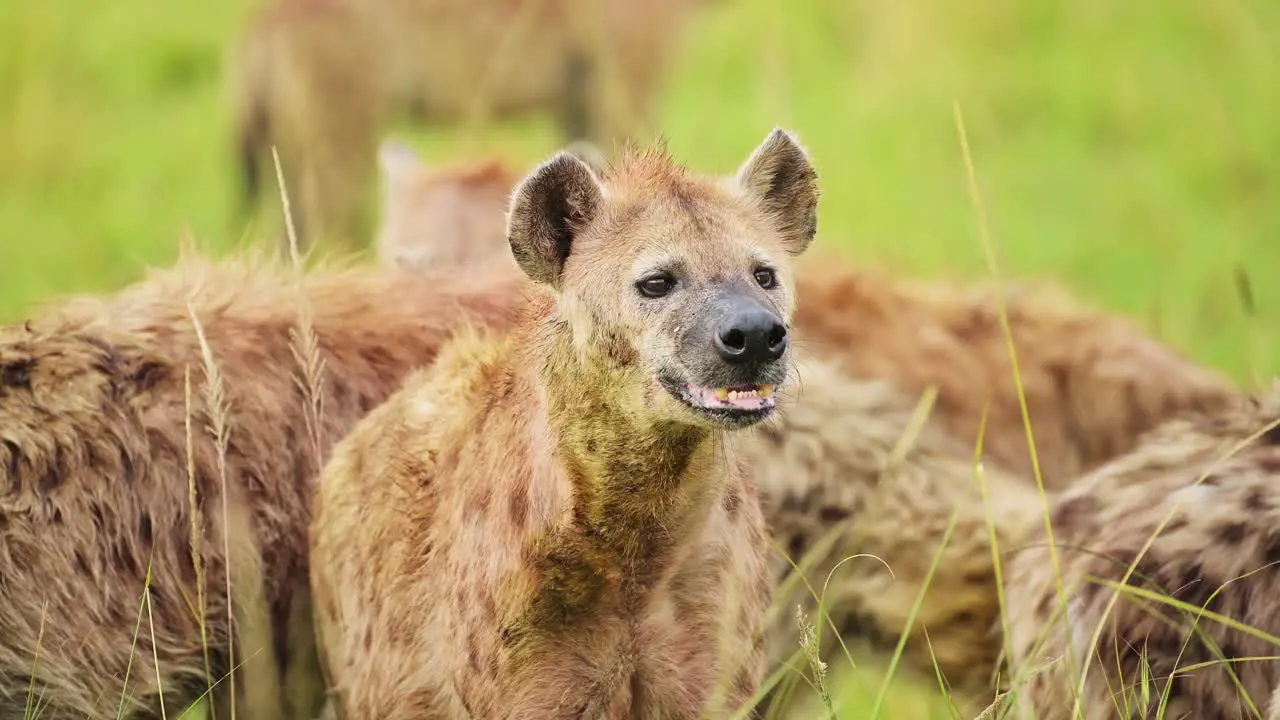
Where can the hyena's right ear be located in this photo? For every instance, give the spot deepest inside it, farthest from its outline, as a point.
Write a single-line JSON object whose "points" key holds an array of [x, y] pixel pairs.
{"points": [[548, 209]]}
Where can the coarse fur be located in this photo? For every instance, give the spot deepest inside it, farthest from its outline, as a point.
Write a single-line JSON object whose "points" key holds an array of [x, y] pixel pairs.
{"points": [[93, 465], [1213, 478], [322, 79], [555, 523], [1094, 382], [845, 472]]}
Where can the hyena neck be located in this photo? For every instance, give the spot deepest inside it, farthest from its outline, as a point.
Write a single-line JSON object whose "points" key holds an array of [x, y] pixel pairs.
{"points": [[640, 492], [637, 484]]}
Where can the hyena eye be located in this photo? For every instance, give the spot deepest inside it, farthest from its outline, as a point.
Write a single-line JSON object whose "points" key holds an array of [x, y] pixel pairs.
{"points": [[655, 286], [766, 278]]}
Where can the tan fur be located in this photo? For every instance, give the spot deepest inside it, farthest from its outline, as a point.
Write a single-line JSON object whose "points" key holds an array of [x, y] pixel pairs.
{"points": [[1217, 551], [93, 482], [321, 79], [1094, 382], [536, 527]]}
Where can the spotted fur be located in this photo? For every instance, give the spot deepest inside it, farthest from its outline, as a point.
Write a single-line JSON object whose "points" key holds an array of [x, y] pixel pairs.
{"points": [[1218, 550]]}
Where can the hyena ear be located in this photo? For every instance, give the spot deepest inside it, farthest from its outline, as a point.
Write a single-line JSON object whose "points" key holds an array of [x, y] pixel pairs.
{"points": [[548, 210], [398, 160], [781, 179]]}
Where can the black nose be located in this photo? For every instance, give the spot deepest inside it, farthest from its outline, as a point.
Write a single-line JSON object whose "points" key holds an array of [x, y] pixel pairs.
{"points": [[751, 336]]}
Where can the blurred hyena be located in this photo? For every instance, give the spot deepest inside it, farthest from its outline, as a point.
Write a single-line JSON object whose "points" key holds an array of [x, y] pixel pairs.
{"points": [[319, 79]]}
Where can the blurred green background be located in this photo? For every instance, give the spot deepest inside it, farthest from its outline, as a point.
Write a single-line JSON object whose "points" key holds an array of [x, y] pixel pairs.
{"points": [[1128, 150]]}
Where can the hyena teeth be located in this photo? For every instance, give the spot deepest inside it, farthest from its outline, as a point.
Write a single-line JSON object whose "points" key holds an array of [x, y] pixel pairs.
{"points": [[766, 390], [722, 394]]}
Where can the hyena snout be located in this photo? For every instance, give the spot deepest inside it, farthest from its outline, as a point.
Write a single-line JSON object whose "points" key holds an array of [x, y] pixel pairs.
{"points": [[750, 335], [735, 358]]}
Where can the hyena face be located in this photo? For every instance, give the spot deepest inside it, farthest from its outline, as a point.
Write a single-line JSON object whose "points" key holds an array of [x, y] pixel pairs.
{"points": [[685, 280]]}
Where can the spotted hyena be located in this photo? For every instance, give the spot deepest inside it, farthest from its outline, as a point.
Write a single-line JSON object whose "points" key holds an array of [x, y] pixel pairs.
{"points": [[321, 79], [1094, 382], [560, 523], [94, 494], [880, 342], [1207, 485]]}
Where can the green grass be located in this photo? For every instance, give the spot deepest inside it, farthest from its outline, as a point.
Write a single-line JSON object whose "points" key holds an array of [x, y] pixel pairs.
{"points": [[1126, 150]]}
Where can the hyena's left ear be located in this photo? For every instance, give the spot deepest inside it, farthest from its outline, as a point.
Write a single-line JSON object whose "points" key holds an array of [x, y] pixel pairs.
{"points": [[549, 208], [780, 177]]}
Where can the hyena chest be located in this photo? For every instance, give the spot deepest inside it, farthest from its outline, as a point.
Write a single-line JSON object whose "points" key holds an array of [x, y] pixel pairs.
{"points": [[625, 667]]}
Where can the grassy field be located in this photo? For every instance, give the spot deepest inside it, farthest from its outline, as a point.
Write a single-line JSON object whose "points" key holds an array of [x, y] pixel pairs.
{"points": [[1130, 151]]}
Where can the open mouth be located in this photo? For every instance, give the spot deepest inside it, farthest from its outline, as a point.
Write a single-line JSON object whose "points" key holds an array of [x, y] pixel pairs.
{"points": [[739, 404]]}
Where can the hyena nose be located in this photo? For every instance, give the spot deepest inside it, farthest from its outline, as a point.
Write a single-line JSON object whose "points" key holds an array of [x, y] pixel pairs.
{"points": [[751, 336]]}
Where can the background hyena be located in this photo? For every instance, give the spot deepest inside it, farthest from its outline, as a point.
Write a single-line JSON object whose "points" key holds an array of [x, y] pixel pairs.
{"points": [[560, 523], [1208, 485], [321, 79], [94, 492]]}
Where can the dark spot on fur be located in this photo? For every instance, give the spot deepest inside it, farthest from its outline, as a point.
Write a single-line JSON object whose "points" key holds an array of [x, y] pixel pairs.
{"points": [[732, 501], [620, 351], [1073, 511], [473, 653], [1231, 533], [832, 514], [478, 502], [54, 474], [507, 637], [15, 455], [1256, 501], [1230, 650], [1272, 435], [149, 374], [126, 464], [745, 683], [1213, 480], [17, 373], [1271, 551], [796, 547], [518, 505], [144, 528], [1269, 464]]}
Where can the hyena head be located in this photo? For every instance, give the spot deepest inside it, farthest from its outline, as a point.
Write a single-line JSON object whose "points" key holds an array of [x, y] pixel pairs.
{"points": [[440, 216], [680, 285]]}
